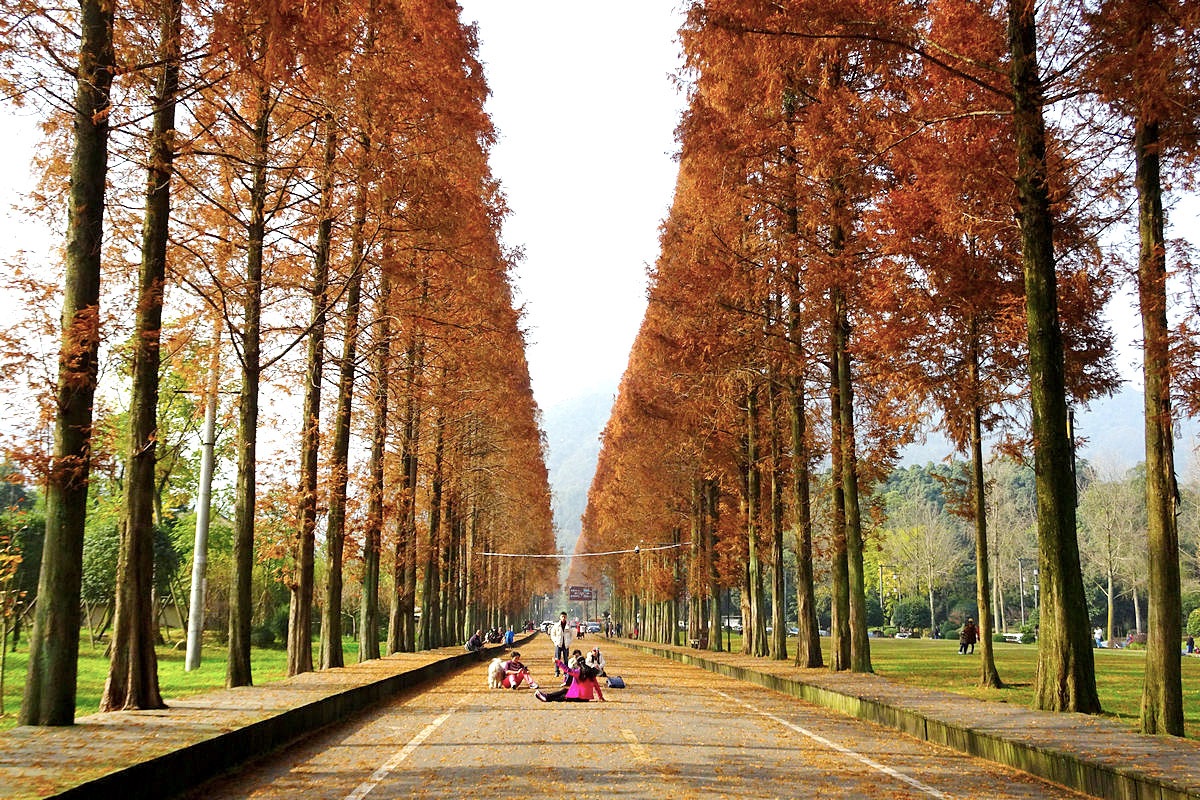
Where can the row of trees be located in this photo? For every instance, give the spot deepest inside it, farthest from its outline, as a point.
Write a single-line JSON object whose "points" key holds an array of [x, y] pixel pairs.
{"points": [[884, 219], [286, 211]]}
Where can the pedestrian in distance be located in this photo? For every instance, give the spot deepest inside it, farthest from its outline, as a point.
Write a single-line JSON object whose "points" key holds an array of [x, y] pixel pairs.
{"points": [[562, 636], [509, 637], [968, 637], [475, 643], [1191, 644]]}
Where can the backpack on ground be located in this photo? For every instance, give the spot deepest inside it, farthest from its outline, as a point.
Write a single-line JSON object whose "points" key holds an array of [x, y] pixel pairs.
{"points": [[615, 682]]}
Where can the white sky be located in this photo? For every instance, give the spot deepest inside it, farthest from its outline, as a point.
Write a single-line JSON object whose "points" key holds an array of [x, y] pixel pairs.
{"points": [[583, 99], [585, 106]]}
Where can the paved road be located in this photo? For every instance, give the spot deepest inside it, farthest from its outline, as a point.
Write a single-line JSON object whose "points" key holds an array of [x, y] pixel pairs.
{"points": [[676, 732]]}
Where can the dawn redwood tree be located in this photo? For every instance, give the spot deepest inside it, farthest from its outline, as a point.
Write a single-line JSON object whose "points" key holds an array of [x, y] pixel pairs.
{"points": [[1142, 63], [133, 667], [49, 697]]}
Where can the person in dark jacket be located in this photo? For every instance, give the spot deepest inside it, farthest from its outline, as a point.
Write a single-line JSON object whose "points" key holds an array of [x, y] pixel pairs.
{"points": [[968, 637]]}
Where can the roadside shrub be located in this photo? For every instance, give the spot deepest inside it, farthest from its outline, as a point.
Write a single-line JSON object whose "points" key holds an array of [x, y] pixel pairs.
{"points": [[949, 630], [998, 638], [262, 636], [1193, 622], [912, 613]]}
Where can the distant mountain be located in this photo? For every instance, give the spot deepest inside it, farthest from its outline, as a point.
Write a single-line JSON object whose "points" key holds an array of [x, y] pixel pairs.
{"points": [[573, 429], [1113, 428]]}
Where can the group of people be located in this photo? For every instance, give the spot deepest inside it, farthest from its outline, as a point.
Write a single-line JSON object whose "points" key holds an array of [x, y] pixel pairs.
{"points": [[493, 636]]}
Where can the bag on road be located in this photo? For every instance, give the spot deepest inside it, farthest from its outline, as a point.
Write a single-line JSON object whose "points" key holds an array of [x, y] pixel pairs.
{"points": [[615, 682]]}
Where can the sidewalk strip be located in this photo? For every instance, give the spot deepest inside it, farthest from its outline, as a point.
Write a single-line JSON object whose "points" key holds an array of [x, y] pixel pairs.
{"points": [[900, 776], [639, 752], [378, 775]]}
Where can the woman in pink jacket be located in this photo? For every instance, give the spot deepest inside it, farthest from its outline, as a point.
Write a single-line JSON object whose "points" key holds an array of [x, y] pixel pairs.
{"points": [[583, 687]]}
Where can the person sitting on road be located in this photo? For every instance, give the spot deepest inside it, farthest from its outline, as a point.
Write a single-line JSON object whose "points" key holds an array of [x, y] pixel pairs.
{"points": [[583, 687], [475, 642], [596, 661], [562, 636], [515, 672]]}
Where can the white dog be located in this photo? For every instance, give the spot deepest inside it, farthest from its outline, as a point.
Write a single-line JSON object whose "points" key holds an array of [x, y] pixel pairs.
{"points": [[495, 674]]}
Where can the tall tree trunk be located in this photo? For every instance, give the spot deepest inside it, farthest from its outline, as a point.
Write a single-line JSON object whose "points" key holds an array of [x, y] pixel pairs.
{"points": [[299, 642], [778, 638], [755, 629], [712, 499], [808, 644], [208, 442], [1066, 677], [839, 569], [54, 643], [429, 588], [335, 534], [400, 619], [988, 676], [132, 681], [241, 606], [1162, 690], [368, 628], [860, 645], [1108, 592]]}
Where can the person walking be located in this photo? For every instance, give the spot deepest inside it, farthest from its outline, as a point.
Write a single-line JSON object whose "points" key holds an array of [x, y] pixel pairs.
{"points": [[562, 636], [509, 637], [968, 637]]}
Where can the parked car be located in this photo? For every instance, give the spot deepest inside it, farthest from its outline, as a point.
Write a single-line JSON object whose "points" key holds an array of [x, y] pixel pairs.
{"points": [[903, 635], [593, 627]]}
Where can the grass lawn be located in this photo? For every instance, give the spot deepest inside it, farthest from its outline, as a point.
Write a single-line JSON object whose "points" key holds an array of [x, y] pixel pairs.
{"points": [[936, 664], [267, 665]]}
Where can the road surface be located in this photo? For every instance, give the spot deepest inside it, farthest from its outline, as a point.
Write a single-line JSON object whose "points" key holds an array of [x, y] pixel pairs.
{"points": [[675, 732]]}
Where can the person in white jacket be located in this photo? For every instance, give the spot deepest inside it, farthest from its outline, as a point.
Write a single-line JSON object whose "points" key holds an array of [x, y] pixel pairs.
{"points": [[596, 661], [563, 636]]}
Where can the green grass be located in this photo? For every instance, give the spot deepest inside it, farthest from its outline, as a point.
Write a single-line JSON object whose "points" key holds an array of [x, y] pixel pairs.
{"points": [[936, 664], [267, 665]]}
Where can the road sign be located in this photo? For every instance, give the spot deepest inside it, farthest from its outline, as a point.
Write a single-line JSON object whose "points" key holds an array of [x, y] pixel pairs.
{"points": [[581, 593]]}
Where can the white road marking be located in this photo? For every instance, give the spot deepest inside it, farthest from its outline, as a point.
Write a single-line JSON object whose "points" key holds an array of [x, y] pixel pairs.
{"points": [[364, 788], [639, 752], [900, 776]]}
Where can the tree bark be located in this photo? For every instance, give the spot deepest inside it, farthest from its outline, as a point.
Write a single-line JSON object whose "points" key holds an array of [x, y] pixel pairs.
{"points": [[860, 645], [988, 675], [132, 681], [778, 637], [1065, 679], [299, 644], [429, 577], [335, 535], [840, 605], [49, 697], [1162, 689], [712, 498], [400, 620], [755, 628], [241, 606], [368, 629]]}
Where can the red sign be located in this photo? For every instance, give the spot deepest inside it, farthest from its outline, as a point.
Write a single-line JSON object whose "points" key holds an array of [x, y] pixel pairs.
{"points": [[581, 593]]}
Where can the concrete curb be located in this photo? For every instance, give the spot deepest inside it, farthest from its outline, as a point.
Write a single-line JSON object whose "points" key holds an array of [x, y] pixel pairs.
{"points": [[1093, 776], [187, 768]]}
